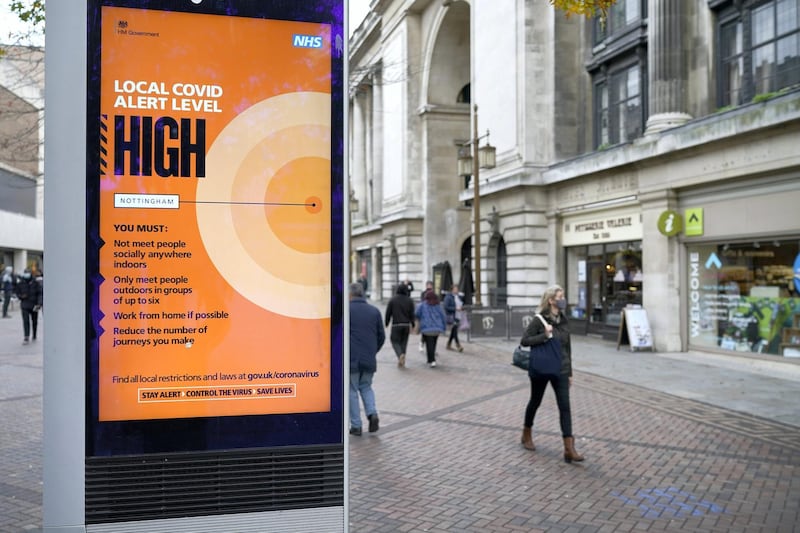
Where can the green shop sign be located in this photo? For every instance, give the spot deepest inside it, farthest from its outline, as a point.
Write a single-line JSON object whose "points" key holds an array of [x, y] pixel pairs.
{"points": [[670, 223]]}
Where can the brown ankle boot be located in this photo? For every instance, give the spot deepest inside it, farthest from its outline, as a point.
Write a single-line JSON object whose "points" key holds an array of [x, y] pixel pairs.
{"points": [[527, 440], [569, 451]]}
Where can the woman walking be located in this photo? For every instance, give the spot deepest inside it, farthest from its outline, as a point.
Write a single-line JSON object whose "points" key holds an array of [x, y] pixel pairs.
{"points": [[431, 324], [554, 326]]}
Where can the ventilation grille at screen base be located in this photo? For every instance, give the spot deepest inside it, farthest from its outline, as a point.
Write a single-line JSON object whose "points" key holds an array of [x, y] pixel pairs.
{"points": [[148, 487]]}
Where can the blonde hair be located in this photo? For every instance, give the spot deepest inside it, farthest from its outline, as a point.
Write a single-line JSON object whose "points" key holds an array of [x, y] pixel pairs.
{"points": [[550, 292]]}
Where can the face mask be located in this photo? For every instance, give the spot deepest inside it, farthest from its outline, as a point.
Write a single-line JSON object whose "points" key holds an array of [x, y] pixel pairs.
{"points": [[561, 304], [26, 275]]}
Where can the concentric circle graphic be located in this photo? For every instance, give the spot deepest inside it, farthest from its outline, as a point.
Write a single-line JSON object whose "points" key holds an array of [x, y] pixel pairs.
{"points": [[263, 209]]}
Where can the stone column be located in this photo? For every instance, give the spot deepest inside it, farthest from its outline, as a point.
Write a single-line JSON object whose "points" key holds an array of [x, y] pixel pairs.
{"points": [[358, 172], [666, 69]]}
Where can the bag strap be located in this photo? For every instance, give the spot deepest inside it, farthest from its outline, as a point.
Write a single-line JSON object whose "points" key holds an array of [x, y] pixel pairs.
{"points": [[544, 323]]}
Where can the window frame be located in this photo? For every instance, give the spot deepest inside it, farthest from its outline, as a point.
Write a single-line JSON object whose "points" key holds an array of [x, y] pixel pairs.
{"points": [[728, 12], [605, 78]]}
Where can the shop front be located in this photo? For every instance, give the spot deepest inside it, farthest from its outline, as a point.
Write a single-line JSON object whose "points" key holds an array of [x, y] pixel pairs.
{"points": [[742, 267], [603, 268], [745, 296]]}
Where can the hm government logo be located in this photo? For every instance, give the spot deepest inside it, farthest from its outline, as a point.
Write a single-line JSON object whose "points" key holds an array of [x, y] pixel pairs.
{"points": [[122, 29]]}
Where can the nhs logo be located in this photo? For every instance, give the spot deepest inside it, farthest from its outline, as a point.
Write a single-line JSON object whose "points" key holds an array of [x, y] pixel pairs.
{"points": [[306, 41]]}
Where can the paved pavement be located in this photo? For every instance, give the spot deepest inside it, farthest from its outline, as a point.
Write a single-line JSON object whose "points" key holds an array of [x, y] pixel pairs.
{"points": [[673, 442]]}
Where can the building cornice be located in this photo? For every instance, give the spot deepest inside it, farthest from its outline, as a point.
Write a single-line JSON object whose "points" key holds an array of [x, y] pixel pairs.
{"points": [[732, 124]]}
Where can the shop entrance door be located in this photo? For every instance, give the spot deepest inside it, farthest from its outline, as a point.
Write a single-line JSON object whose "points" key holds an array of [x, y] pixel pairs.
{"points": [[595, 301]]}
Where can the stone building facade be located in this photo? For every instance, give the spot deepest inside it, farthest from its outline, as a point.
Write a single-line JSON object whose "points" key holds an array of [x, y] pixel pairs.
{"points": [[649, 161], [21, 156]]}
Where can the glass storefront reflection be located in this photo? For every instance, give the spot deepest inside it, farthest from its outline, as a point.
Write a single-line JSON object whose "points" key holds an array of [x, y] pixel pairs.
{"points": [[743, 297], [601, 280]]}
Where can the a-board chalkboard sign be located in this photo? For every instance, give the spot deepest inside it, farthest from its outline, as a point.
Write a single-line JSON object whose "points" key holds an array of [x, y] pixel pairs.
{"points": [[634, 329]]}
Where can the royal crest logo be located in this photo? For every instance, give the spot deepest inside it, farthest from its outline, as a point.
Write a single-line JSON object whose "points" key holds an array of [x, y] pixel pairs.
{"points": [[122, 24], [488, 323]]}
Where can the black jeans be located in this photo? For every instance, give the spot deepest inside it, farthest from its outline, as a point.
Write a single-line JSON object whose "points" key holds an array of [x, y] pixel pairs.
{"points": [[561, 387], [29, 318], [399, 338], [453, 335], [430, 346], [6, 301]]}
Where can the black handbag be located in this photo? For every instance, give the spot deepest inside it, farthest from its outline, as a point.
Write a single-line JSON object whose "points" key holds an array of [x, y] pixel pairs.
{"points": [[521, 358]]}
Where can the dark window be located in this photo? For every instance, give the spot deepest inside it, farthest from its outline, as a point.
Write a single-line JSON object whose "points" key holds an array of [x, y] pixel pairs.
{"points": [[618, 106], [464, 95], [759, 49], [502, 262], [621, 16], [619, 68]]}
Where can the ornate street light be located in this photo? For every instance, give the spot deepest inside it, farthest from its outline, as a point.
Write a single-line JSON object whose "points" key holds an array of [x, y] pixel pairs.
{"points": [[470, 164]]}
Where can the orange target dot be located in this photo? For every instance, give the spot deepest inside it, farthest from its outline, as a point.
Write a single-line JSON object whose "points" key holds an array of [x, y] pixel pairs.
{"points": [[313, 204]]}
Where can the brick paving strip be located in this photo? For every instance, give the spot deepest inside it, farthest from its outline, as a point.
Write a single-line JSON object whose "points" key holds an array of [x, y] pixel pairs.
{"points": [[448, 458]]}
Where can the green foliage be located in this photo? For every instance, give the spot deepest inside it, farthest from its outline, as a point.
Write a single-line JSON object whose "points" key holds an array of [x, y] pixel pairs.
{"points": [[587, 8], [763, 97], [30, 11]]}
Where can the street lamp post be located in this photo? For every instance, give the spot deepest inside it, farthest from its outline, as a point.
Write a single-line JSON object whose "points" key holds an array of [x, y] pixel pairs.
{"points": [[482, 157]]}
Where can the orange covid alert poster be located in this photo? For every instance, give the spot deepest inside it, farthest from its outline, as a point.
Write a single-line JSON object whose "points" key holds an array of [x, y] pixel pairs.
{"points": [[215, 216]]}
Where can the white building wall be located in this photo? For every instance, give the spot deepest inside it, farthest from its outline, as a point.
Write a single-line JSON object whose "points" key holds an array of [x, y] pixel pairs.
{"points": [[394, 113]]}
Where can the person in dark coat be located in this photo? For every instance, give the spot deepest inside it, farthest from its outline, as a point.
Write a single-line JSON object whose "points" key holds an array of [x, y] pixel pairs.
{"points": [[29, 293], [555, 326], [400, 312], [367, 336], [452, 309]]}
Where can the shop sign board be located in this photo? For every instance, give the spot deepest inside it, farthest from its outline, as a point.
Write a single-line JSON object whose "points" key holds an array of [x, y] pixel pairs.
{"points": [[670, 223], [599, 227], [488, 322], [634, 329], [518, 320], [693, 222]]}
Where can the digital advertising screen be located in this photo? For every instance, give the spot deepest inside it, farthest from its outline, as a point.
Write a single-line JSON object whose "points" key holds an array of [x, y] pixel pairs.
{"points": [[214, 216]]}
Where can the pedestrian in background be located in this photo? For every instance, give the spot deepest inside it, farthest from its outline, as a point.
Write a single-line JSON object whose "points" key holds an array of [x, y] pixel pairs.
{"points": [[29, 294], [7, 284], [409, 286], [552, 309], [428, 288], [431, 324], [367, 336], [400, 312], [452, 311]]}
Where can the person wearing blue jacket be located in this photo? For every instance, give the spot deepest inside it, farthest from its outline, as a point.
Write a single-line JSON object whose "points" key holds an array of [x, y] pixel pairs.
{"points": [[431, 324], [367, 336]]}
